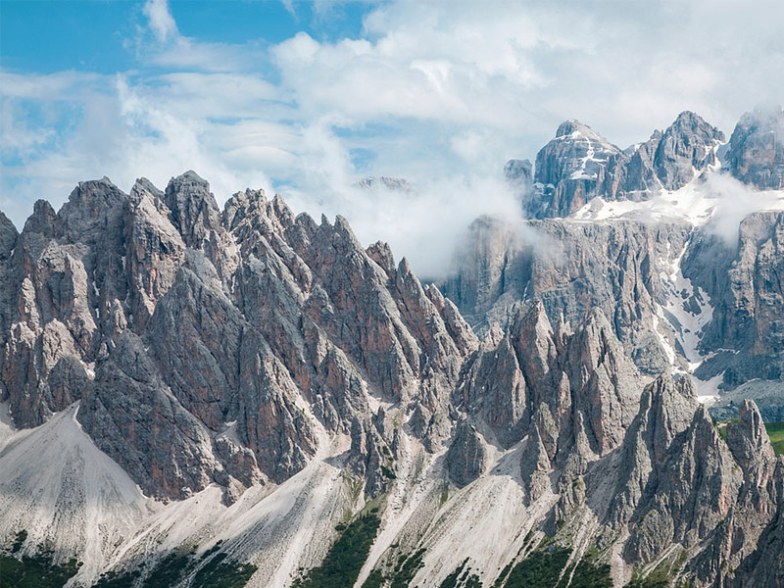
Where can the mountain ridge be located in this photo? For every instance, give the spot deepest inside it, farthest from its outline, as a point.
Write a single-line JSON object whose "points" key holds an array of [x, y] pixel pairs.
{"points": [[253, 380]]}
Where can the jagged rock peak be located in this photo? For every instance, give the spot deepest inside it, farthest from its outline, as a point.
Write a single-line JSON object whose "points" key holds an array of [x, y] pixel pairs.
{"points": [[381, 253], [580, 164], [574, 129], [466, 458], [93, 193], [688, 144], [92, 208], [570, 170], [243, 205], [42, 219], [748, 439], [688, 122], [8, 235], [144, 187], [194, 210], [189, 189], [518, 169]]}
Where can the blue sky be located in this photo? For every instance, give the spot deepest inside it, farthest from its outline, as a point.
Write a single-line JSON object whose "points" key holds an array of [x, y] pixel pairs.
{"points": [[306, 98], [104, 43]]}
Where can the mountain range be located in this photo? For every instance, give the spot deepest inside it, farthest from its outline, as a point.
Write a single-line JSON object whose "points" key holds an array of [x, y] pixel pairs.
{"points": [[197, 396]]}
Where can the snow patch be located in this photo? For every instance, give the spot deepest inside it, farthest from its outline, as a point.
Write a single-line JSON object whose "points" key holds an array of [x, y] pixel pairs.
{"points": [[581, 173], [697, 203], [687, 309], [708, 390]]}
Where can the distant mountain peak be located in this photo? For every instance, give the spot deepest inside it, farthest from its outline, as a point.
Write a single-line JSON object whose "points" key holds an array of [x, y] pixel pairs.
{"points": [[393, 184]]}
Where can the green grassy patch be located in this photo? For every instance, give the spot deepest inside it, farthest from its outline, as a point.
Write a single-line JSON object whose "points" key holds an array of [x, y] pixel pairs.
{"points": [[546, 566], [218, 573], [661, 576], [36, 571], [461, 578], [33, 571], [19, 541], [542, 568], [175, 567], [776, 434], [648, 583], [375, 579], [406, 568], [588, 575], [344, 560], [118, 579]]}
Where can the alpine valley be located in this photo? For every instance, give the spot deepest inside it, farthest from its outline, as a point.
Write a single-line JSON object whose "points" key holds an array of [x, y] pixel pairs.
{"points": [[199, 397]]}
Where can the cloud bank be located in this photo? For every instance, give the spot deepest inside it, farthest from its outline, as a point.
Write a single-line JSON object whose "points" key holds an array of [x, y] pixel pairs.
{"points": [[441, 94]]}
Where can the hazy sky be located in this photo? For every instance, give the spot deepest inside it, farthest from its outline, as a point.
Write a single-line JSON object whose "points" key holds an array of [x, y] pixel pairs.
{"points": [[305, 98]]}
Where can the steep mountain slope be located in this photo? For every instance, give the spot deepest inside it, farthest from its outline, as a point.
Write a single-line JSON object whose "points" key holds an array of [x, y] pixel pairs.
{"points": [[206, 397], [683, 284]]}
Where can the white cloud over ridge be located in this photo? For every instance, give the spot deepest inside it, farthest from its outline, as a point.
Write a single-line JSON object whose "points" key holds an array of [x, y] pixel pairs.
{"points": [[439, 93]]}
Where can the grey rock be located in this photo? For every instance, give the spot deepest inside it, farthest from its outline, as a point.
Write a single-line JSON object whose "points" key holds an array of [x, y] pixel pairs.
{"points": [[685, 148], [194, 211], [8, 237], [571, 267], [519, 173], [747, 296], [227, 347], [376, 183], [579, 165], [133, 417], [535, 467], [756, 149], [692, 494], [767, 395], [748, 441], [570, 169], [466, 458]]}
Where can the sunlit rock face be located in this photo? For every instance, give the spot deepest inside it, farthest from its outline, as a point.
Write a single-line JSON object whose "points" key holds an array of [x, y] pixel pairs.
{"points": [[247, 382], [579, 165]]}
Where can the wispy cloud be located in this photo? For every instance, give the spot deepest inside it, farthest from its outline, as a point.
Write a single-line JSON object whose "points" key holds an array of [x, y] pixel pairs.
{"points": [[160, 20], [439, 93]]}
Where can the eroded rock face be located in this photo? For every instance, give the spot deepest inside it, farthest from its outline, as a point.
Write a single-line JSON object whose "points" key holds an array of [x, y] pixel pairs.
{"points": [[747, 332], [235, 348], [211, 347], [466, 458], [571, 169], [571, 267], [645, 459], [756, 149], [579, 165], [570, 397], [685, 148]]}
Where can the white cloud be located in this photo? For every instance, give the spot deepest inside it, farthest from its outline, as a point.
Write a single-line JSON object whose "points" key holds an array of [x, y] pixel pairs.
{"points": [[160, 20], [734, 202]]}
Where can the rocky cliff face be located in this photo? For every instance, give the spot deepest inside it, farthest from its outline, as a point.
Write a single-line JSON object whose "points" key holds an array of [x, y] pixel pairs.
{"points": [[746, 334], [755, 154], [248, 381], [202, 343], [572, 267], [676, 291], [579, 165]]}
